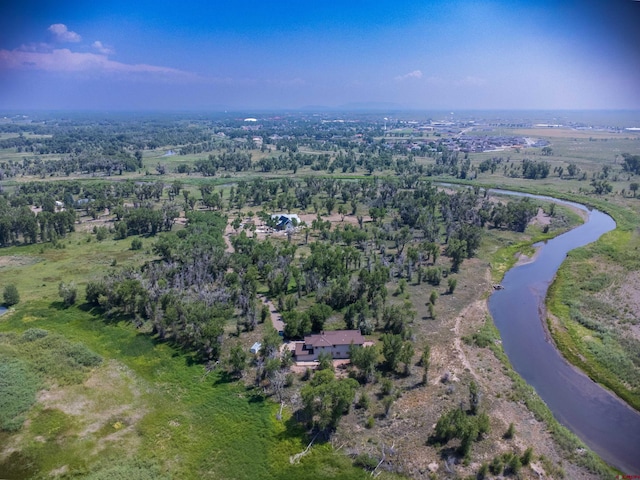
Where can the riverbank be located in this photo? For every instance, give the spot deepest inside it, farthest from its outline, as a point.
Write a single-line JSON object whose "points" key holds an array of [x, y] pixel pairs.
{"points": [[594, 312], [601, 420]]}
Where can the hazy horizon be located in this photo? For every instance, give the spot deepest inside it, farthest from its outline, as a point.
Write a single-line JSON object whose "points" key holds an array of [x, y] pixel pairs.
{"points": [[287, 55]]}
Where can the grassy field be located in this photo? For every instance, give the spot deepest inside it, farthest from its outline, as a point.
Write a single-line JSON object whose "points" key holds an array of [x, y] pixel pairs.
{"points": [[146, 402]]}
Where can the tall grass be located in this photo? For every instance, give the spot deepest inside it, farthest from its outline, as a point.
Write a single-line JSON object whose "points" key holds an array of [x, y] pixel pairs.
{"points": [[195, 425]]}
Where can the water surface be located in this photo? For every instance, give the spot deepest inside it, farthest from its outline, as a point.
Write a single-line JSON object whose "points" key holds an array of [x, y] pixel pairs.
{"points": [[604, 422]]}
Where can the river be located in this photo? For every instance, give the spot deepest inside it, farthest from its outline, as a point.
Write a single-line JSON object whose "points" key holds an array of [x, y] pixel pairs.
{"points": [[602, 421]]}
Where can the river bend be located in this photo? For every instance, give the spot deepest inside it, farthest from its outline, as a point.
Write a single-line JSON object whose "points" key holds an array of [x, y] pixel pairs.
{"points": [[602, 421]]}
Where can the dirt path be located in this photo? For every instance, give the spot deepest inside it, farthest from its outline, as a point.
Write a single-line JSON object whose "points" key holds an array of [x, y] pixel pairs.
{"points": [[228, 231], [477, 309]]}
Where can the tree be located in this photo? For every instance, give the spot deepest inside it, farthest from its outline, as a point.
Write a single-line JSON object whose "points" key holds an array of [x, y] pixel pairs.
{"points": [[364, 359], [270, 342], [511, 431], [634, 188], [326, 398], [452, 283], [396, 351], [406, 354], [11, 295], [425, 361], [318, 314], [474, 397], [68, 292], [433, 297], [237, 359], [457, 251]]}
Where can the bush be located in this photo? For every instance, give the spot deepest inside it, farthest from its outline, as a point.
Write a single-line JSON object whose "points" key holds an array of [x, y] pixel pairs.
{"points": [[371, 422], [511, 432], [11, 295], [136, 244], [496, 466], [452, 283], [101, 233], [365, 461], [94, 291], [83, 356], [68, 292], [34, 334], [18, 387]]}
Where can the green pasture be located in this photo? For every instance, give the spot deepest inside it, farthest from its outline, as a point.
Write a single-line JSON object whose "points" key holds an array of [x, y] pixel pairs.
{"points": [[167, 415]]}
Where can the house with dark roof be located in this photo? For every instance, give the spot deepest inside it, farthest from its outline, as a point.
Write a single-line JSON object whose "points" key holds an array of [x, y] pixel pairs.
{"points": [[335, 342], [285, 221]]}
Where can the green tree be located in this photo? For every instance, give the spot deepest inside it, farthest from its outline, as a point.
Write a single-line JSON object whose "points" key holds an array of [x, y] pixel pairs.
{"points": [[433, 297], [474, 397], [452, 283], [405, 356], [11, 295], [391, 345], [318, 314], [326, 399], [634, 188], [237, 359], [425, 361], [364, 359], [457, 251], [511, 431]]}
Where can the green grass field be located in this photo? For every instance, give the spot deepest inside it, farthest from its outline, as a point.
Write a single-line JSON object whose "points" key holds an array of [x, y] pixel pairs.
{"points": [[151, 398]]}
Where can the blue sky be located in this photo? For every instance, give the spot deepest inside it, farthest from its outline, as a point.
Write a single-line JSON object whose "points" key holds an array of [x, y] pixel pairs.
{"points": [[204, 55]]}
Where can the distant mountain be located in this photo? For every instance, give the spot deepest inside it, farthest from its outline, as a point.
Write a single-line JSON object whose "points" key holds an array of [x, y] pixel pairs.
{"points": [[356, 107], [377, 106]]}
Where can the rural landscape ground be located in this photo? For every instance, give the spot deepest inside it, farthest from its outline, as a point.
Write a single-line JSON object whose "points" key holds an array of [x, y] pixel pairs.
{"points": [[140, 262]]}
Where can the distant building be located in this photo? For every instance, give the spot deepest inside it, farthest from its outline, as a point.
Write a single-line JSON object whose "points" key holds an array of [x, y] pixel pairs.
{"points": [[284, 221], [335, 342]]}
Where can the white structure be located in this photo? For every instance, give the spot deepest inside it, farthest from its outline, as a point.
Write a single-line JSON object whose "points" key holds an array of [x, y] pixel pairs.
{"points": [[255, 348]]}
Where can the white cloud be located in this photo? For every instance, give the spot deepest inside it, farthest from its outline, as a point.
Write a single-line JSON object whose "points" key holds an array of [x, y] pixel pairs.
{"points": [[64, 60], [62, 34], [415, 74], [101, 48]]}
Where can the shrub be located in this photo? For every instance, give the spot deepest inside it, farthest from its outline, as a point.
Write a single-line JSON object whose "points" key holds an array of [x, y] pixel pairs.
{"points": [[365, 461], [496, 466], [18, 387], [11, 295], [68, 292], [81, 355], [34, 334], [511, 431], [136, 244], [101, 233], [94, 291], [370, 422]]}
